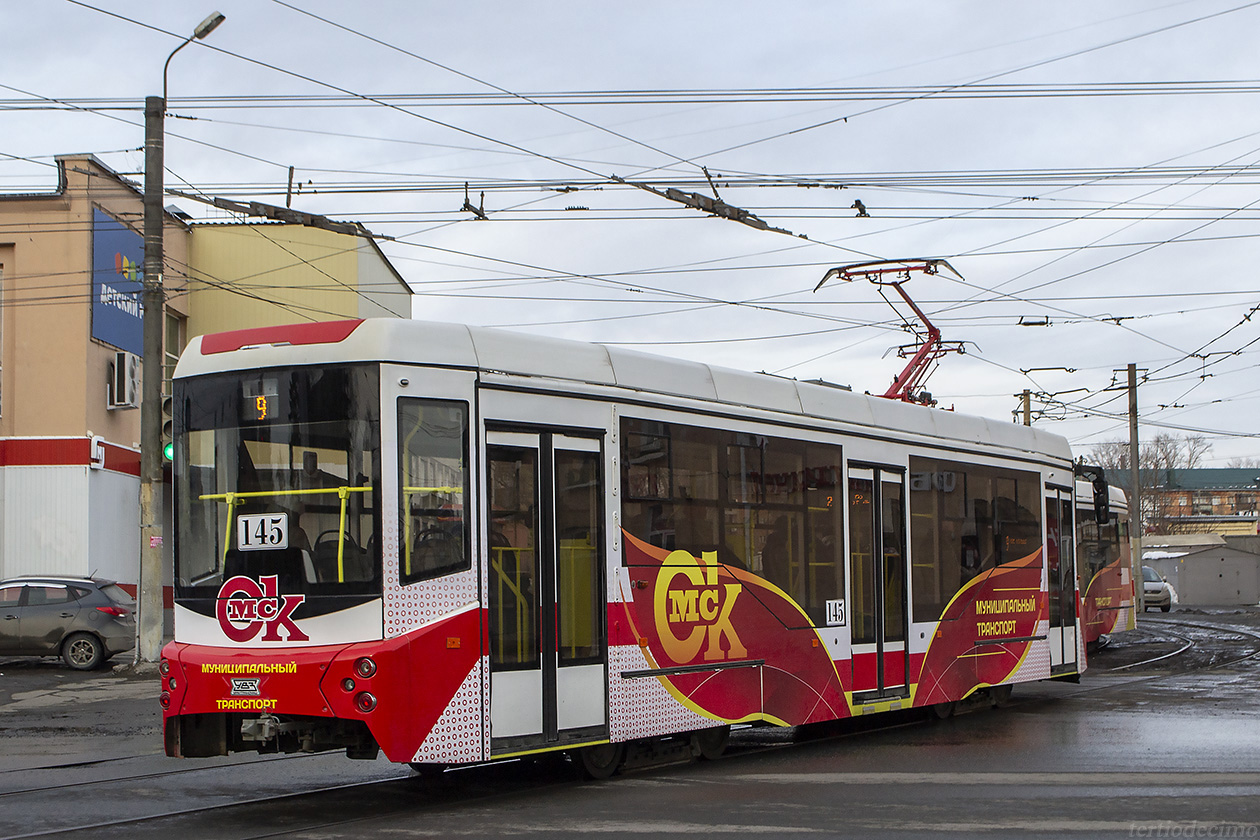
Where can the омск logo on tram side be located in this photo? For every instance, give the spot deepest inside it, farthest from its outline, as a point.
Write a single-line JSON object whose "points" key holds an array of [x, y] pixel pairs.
{"points": [[689, 610]]}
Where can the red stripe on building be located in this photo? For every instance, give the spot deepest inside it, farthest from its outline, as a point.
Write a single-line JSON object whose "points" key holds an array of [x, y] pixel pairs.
{"points": [[121, 459], [66, 452], [45, 452]]}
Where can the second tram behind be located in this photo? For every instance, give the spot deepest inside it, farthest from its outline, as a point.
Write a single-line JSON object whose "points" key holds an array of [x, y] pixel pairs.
{"points": [[456, 545], [1104, 566]]}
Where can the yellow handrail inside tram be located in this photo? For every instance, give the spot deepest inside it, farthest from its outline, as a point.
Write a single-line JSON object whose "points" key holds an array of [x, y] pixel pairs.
{"points": [[523, 604], [342, 492]]}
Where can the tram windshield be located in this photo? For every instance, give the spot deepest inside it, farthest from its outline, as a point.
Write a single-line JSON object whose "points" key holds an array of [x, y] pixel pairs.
{"points": [[277, 472]]}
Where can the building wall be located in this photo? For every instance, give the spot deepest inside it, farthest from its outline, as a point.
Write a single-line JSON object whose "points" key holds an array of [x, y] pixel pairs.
{"points": [[55, 373], [1222, 502], [1218, 576], [113, 514], [383, 293], [57, 512], [254, 275], [69, 465], [42, 533]]}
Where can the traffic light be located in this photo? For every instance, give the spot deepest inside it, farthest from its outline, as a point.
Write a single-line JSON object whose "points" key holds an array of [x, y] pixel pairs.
{"points": [[168, 430]]}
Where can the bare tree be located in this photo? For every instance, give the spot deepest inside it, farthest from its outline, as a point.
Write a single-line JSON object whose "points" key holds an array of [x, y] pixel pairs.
{"points": [[1243, 463], [1162, 452], [1156, 457]]}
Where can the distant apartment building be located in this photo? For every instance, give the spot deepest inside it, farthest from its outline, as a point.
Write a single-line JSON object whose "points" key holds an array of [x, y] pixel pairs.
{"points": [[1197, 501], [71, 345]]}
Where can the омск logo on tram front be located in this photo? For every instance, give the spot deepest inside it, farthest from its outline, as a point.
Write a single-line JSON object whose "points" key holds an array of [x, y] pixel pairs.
{"points": [[245, 607]]}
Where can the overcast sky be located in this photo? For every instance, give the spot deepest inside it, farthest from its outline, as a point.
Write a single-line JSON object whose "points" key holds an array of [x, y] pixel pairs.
{"points": [[1088, 166]]}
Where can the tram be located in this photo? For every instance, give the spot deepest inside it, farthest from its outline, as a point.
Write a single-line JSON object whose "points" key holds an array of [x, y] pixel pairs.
{"points": [[454, 545], [1104, 566]]}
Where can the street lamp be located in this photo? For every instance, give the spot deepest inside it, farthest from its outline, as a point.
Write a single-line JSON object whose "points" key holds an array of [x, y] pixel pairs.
{"points": [[149, 594]]}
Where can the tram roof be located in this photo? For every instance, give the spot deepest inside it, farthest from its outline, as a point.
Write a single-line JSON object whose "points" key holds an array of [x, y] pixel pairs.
{"points": [[492, 351]]}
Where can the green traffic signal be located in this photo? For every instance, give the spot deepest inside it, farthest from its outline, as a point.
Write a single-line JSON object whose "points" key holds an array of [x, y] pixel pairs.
{"points": [[168, 429]]}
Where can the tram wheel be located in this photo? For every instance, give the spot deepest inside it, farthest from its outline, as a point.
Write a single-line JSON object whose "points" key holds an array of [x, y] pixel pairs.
{"points": [[944, 711], [602, 760], [1000, 695], [710, 743]]}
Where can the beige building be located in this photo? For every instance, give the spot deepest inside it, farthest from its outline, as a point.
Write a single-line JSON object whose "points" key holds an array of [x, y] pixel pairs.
{"points": [[258, 275], [71, 346]]}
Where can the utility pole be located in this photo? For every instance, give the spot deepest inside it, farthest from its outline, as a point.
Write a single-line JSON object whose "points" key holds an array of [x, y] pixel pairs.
{"points": [[1135, 497], [149, 591], [1027, 403], [153, 299]]}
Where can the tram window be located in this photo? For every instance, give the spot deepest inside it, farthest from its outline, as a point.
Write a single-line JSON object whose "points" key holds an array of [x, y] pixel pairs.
{"points": [[1067, 581], [513, 558], [767, 505], [578, 537], [310, 463], [1097, 546], [433, 482], [1091, 551], [694, 463], [647, 473], [964, 520], [862, 554]]}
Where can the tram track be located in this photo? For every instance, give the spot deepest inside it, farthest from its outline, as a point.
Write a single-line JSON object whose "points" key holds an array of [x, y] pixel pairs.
{"points": [[134, 822], [324, 808], [191, 769], [338, 807], [1191, 643]]}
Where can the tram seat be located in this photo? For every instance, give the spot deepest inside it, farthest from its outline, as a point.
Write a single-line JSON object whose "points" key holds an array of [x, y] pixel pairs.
{"points": [[285, 563], [308, 567], [356, 562]]}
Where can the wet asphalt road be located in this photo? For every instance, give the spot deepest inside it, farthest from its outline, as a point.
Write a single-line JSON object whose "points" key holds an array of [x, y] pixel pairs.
{"points": [[1165, 749]]}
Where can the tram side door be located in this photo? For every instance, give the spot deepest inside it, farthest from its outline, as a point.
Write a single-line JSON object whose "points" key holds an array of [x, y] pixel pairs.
{"points": [[1061, 579], [877, 582], [546, 601]]}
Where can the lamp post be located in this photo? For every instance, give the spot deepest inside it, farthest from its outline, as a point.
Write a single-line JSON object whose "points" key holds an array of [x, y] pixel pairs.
{"points": [[149, 594]]}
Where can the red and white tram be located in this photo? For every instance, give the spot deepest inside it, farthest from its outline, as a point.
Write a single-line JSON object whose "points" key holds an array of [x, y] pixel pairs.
{"points": [[1104, 566], [454, 544]]}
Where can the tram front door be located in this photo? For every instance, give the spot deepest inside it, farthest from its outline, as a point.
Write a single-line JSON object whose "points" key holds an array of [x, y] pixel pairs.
{"points": [[546, 602], [877, 582]]}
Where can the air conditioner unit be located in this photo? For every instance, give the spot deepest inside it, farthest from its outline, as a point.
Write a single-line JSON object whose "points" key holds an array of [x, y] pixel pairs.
{"points": [[124, 381]]}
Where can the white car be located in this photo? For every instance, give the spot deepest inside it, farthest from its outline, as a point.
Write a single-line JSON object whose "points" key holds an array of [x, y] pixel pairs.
{"points": [[1156, 591]]}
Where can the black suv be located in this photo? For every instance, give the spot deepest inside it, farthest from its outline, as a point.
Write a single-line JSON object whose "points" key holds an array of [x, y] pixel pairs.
{"points": [[85, 621]]}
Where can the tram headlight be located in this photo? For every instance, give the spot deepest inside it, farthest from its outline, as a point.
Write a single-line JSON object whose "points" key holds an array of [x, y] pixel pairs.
{"points": [[170, 683], [164, 667], [365, 701], [347, 685], [364, 667]]}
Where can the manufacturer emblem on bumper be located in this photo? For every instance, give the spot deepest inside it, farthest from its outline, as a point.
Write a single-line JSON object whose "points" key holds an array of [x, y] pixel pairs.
{"points": [[245, 686]]}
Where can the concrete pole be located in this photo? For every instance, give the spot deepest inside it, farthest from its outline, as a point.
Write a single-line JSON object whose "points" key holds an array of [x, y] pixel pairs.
{"points": [[1135, 497], [149, 596]]}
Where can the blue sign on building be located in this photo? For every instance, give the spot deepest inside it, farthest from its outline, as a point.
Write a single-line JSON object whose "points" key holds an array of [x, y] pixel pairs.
{"points": [[117, 283]]}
